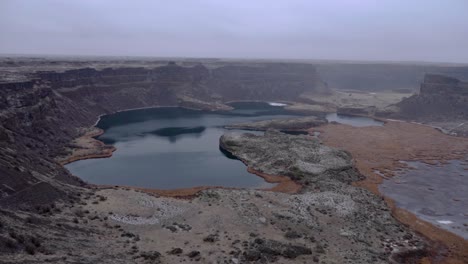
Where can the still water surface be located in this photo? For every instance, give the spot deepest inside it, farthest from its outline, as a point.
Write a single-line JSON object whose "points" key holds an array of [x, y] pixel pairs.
{"points": [[170, 147]]}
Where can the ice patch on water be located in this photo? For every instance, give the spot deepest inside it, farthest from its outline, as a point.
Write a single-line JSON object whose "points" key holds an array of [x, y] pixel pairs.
{"points": [[276, 104], [445, 222]]}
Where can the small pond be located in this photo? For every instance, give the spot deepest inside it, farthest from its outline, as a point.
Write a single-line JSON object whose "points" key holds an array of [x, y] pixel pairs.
{"points": [[437, 194]]}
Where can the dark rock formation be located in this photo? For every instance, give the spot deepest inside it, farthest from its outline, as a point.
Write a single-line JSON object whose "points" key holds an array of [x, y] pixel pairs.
{"points": [[284, 125], [397, 77], [441, 98], [267, 251]]}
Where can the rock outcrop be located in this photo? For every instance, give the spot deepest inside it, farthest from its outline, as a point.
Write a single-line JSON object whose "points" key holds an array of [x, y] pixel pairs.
{"points": [[396, 77], [284, 125], [327, 174], [441, 98], [300, 157]]}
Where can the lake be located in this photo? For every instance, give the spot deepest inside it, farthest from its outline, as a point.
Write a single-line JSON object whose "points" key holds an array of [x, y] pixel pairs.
{"points": [[437, 194], [171, 148]]}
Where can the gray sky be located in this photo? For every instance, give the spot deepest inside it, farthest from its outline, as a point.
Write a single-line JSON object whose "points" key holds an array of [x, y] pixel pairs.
{"points": [[399, 30]]}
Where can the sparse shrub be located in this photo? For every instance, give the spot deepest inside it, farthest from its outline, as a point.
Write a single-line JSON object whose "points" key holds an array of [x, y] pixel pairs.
{"points": [[21, 239], [35, 241], [79, 213], [10, 243], [45, 209], [75, 220], [30, 248], [127, 234], [292, 235], [45, 251], [150, 255], [13, 234], [93, 217], [102, 198], [33, 220]]}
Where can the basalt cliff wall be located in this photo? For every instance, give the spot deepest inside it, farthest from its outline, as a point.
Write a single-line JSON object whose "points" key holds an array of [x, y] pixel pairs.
{"points": [[396, 77], [441, 98], [39, 117]]}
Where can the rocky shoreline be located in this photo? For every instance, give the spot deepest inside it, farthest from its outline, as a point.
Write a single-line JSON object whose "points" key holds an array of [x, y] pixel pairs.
{"points": [[426, 153], [304, 167], [285, 125], [87, 147]]}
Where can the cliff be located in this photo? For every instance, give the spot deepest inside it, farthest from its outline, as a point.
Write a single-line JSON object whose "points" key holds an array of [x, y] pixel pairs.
{"points": [[441, 98], [397, 77], [41, 115]]}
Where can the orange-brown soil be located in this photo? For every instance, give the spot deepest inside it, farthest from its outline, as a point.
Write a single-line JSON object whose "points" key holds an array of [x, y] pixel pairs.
{"points": [[380, 150], [87, 147], [283, 184]]}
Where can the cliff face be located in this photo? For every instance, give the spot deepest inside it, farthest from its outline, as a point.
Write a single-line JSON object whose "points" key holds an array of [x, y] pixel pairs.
{"points": [[383, 77], [274, 81], [441, 98], [110, 89], [40, 116]]}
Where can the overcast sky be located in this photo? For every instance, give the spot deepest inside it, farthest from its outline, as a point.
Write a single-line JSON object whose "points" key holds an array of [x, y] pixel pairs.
{"points": [[398, 30]]}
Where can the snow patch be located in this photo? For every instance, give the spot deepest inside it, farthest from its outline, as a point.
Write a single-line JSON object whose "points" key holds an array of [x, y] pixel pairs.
{"points": [[276, 104], [445, 222]]}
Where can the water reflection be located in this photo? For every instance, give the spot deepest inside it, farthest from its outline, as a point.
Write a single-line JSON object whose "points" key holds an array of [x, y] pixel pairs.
{"points": [[175, 133], [170, 148]]}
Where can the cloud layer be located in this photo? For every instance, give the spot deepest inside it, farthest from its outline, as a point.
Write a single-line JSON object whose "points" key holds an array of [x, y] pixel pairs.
{"points": [[398, 30]]}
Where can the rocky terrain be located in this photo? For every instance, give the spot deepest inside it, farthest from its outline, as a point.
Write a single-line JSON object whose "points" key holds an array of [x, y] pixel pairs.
{"points": [[440, 98], [47, 215], [329, 221], [441, 102], [392, 143], [44, 113], [284, 125], [379, 77]]}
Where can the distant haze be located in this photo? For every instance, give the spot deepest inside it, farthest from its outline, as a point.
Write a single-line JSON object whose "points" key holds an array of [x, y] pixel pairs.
{"points": [[396, 30]]}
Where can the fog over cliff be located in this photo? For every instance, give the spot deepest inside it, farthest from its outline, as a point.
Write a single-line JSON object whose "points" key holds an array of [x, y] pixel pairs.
{"points": [[398, 30]]}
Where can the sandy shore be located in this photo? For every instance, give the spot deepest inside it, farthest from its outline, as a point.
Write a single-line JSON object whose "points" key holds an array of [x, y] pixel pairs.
{"points": [[377, 152], [87, 147], [283, 184]]}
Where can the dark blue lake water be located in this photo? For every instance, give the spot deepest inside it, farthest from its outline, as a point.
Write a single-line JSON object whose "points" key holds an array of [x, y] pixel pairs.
{"points": [[171, 147]]}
